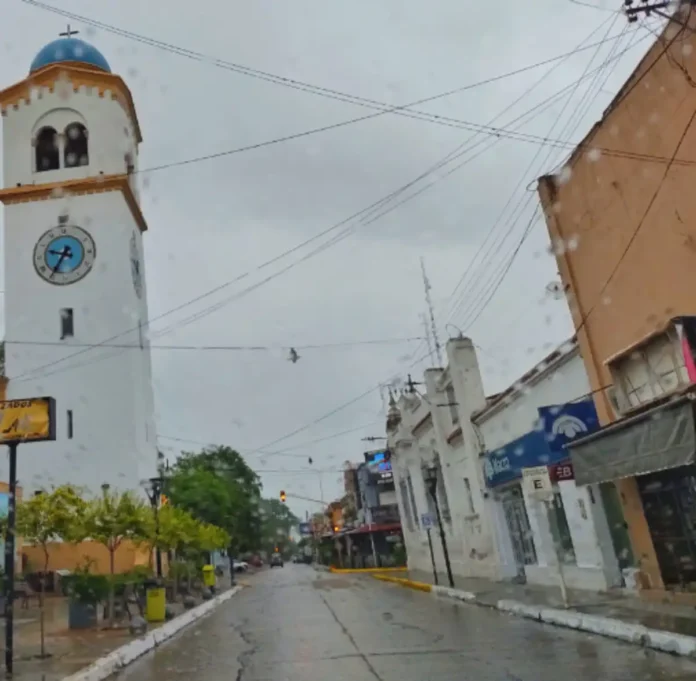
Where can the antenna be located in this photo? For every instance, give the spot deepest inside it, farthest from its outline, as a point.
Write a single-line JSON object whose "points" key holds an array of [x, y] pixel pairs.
{"points": [[428, 339], [429, 302]]}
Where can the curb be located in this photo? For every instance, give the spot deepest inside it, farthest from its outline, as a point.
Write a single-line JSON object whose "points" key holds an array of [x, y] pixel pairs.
{"points": [[121, 657], [408, 583], [636, 634], [367, 571]]}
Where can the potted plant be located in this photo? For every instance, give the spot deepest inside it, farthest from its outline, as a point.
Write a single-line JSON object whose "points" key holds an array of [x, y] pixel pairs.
{"points": [[85, 592]]}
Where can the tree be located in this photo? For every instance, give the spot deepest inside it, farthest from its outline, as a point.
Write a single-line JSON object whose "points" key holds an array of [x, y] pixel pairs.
{"points": [[277, 521], [47, 517], [112, 519], [216, 486]]}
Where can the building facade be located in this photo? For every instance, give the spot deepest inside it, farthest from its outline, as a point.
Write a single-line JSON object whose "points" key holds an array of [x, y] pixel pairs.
{"points": [[433, 428], [622, 216], [74, 270], [528, 426]]}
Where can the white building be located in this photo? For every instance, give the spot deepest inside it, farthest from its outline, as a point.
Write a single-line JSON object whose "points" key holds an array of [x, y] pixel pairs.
{"points": [[434, 428], [528, 425], [74, 273]]}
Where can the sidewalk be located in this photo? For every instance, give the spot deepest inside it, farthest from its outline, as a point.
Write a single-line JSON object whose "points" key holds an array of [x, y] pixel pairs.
{"points": [[618, 614], [69, 650]]}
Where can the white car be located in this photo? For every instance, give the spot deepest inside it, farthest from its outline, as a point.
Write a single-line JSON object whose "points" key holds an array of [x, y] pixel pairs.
{"points": [[240, 565]]}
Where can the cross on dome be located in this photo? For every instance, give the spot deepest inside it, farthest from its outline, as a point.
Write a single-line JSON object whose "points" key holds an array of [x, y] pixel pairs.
{"points": [[68, 33]]}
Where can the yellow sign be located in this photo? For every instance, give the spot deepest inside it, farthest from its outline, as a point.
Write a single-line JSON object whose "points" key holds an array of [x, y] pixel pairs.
{"points": [[30, 420]]}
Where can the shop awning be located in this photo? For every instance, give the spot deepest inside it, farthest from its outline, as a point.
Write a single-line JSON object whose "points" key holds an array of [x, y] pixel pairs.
{"points": [[664, 437]]}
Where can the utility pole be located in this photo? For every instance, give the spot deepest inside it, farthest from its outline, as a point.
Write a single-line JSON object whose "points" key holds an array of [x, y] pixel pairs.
{"points": [[633, 10], [431, 311]]}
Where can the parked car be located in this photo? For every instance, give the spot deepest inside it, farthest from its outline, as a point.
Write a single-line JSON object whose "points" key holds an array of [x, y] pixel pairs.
{"points": [[276, 559], [240, 566]]}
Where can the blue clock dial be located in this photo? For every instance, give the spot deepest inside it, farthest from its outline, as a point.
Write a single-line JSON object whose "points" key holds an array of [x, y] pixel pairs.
{"points": [[64, 255]]}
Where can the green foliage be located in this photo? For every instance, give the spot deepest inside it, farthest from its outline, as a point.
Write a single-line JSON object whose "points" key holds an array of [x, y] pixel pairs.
{"points": [[277, 521], [51, 516], [115, 517], [217, 487], [85, 587]]}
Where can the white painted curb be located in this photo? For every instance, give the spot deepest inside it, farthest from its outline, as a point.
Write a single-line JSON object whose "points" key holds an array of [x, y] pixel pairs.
{"points": [[123, 656], [456, 594], [637, 634]]}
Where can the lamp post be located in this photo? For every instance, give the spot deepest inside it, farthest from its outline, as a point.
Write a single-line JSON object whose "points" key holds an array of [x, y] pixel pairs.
{"points": [[153, 489], [431, 482]]}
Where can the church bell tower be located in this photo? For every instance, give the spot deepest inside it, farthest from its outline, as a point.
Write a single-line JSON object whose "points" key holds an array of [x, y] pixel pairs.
{"points": [[75, 295]]}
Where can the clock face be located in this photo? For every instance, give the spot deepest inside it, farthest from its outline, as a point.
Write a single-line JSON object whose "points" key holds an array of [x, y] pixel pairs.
{"points": [[64, 254], [135, 267]]}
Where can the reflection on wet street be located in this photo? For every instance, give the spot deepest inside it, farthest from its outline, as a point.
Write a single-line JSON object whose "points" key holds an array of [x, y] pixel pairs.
{"points": [[294, 624]]}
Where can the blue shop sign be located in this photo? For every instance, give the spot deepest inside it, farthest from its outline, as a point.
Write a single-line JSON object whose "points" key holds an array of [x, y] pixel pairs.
{"points": [[506, 464], [563, 423], [557, 425]]}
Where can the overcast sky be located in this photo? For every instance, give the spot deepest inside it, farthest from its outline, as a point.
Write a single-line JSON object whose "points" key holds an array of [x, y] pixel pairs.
{"points": [[214, 220]]}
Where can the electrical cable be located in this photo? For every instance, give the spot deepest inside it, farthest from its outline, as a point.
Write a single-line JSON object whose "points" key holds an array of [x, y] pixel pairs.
{"points": [[494, 243], [290, 251], [290, 82], [240, 348]]}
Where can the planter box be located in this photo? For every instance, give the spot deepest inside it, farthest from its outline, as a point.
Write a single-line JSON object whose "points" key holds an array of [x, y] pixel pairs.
{"points": [[82, 615]]}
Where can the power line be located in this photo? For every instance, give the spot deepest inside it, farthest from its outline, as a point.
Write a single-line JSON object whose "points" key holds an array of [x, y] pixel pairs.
{"points": [[383, 108], [376, 205], [480, 300], [214, 348], [297, 84]]}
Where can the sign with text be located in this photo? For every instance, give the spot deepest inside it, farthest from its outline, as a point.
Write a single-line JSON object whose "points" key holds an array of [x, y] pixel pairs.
{"points": [[561, 471], [305, 529], [28, 420], [537, 483]]}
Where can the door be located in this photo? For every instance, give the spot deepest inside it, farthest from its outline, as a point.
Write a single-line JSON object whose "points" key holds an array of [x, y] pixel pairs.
{"points": [[519, 529], [618, 529], [669, 504]]}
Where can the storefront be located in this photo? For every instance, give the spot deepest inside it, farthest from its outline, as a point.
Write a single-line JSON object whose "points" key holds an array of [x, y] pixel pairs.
{"points": [[658, 449], [570, 527]]}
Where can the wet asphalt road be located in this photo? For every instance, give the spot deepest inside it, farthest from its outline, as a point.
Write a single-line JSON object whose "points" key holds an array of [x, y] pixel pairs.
{"points": [[294, 624]]}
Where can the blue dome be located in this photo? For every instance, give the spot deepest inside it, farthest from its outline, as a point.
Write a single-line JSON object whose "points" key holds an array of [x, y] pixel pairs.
{"points": [[70, 50]]}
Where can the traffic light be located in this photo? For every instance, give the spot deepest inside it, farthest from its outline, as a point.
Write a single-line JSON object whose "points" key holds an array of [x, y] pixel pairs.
{"points": [[283, 496], [336, 528]]}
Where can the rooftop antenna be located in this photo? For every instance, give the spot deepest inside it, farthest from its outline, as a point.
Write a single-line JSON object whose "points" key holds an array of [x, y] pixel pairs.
{"points": [[431, 311], [428, 339]]}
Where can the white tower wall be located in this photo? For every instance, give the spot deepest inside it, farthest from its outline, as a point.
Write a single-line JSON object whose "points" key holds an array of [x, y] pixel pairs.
{"points": [[107, 389]]}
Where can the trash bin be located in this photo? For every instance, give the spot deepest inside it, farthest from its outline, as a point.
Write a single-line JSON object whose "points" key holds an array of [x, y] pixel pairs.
{"points": [[209, 575], [155, 602]]}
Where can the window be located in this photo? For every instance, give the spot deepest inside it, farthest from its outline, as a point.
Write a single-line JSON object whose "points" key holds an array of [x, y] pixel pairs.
{"points": [[655, 368], [76, 152], [470, 508], [70, 424], [46, 151], [452, 404], [67, 325]]}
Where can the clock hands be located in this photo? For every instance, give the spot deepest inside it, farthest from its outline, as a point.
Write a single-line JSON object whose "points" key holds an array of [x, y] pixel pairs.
{"points": [[65, 252]]}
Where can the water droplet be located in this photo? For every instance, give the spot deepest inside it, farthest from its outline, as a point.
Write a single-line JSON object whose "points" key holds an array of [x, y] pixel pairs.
{"points": [[563, 176], [594, 155], [606, 300]]}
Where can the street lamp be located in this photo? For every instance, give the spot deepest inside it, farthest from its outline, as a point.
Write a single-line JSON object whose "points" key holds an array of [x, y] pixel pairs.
{"points": [[430, 477], [153, 489]]}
